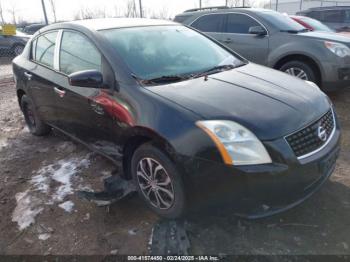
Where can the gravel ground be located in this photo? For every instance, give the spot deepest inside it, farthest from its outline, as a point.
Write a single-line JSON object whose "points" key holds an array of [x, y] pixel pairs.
{"points": [[40, 214]]}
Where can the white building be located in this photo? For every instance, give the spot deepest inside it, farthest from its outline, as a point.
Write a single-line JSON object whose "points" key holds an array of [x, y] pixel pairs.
{"points": [[292, 6]]}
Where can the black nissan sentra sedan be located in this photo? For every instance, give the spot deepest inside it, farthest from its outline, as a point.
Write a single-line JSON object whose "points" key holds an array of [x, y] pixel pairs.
{"points": [[192, 123]]}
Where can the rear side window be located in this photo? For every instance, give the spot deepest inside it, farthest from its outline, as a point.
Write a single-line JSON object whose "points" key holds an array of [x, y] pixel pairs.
{"points": [[45, 49], [239, 23], [209, 23], [333, 16], [77, 53], [180, 18]]}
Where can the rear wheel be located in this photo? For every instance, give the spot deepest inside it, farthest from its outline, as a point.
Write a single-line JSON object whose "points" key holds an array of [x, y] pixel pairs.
{"points": [[300, 69], [35, 125], [159, 183]]}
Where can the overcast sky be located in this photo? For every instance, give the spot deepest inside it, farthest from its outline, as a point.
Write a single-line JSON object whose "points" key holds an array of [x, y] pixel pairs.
{"points": [[30, 10]]}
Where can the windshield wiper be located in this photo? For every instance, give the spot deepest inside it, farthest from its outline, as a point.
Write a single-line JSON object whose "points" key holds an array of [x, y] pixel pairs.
{"points": [[214, 70], [165, 79], [295, 31]]}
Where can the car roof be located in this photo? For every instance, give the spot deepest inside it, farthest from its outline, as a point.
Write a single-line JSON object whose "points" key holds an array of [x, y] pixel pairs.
{"points": [[323, 8], [198, 12], [108, 23]]}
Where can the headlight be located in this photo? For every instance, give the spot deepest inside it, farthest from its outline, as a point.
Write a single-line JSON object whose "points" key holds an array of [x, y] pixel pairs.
{"points": [[237, 145], [338, 48]]}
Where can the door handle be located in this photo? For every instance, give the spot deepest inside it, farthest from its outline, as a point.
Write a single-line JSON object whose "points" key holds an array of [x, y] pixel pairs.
{"points": [[59, 91], [28, 75], [228, 40]]}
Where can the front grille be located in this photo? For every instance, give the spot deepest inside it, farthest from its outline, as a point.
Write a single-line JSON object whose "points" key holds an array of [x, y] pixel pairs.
{"points": [[307, 139]]}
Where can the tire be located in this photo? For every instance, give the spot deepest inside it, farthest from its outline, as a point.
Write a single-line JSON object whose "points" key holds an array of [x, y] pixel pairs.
{"points": [[18, 49], [175, 207], [299, 67], [35, 125]]}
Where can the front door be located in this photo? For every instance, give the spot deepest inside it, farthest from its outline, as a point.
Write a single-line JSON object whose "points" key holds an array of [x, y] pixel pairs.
{"points": [[81, 112], [236, 36]]}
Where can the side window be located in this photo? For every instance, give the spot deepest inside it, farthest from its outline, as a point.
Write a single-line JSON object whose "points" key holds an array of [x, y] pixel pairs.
{"points": [[45, 49], [239, 23], [333, 16], [77, 53], [209, 23]]}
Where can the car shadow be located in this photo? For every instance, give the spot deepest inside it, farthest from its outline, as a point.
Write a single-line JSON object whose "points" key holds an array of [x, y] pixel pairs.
{"points": [[320, 225]]}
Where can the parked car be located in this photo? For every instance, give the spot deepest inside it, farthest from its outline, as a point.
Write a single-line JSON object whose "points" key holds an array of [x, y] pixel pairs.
{"points": [[270, 38], [33, 28], [192, 123], [336, 17], [311, 24], [13, 44], [315, 25]]}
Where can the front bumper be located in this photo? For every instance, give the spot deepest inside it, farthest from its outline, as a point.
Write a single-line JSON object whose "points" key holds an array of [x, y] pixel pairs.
{"points": [[261, 190], [336, 74]]}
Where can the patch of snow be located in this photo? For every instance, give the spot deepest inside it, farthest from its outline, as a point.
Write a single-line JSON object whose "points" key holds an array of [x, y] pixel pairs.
{"points": [[29, 204], [114, 252], [62, 172], [67, 206], [3, 143], [40, 183], [44, 236], [132, 232], [28, 207]]}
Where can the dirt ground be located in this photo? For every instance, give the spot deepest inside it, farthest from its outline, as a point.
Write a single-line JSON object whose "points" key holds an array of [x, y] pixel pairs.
{"points": [[41, 214]]}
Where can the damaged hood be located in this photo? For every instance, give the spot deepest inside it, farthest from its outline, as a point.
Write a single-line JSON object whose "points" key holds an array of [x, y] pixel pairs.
{"points": [[270, 103]]}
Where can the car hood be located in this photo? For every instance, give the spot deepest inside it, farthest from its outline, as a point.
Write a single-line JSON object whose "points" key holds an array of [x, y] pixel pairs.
{"points": [[270, 103], [326, 36]]}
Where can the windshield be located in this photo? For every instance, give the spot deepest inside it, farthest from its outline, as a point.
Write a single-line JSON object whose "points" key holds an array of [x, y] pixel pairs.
{"points": [[316, 25], [282, 22], [158, 51]]}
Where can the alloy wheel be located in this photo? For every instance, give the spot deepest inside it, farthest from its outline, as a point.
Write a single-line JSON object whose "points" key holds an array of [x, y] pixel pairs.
{"points": [[155, 183], [297, 72]]}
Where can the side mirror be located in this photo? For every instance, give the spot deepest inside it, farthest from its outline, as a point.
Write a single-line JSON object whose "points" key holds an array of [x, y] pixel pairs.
{"points": [[87, 78], [257, 30]]}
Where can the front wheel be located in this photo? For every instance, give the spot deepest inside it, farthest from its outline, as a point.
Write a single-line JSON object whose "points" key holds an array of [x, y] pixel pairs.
{"points": [[300, 70], [158, 181]]}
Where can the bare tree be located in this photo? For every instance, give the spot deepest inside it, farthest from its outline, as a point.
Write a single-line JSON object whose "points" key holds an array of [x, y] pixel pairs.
{"points": [[53, 9], [162, 14], [13, 10], [117, 11], [235, 3], [130, 9], [2, 14]]}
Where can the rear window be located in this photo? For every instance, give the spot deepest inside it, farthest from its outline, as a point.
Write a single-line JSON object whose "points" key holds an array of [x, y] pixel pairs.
{"points": [[333, 16], [209, 23], [180, 18], [44, 49]]}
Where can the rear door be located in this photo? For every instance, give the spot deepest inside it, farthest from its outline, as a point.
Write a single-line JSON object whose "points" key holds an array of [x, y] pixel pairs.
{"points": [[40, 76], [211, 24], [236, 36]]}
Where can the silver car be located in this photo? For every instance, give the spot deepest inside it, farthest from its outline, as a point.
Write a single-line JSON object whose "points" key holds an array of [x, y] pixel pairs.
{"points": [[270, 38]]}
